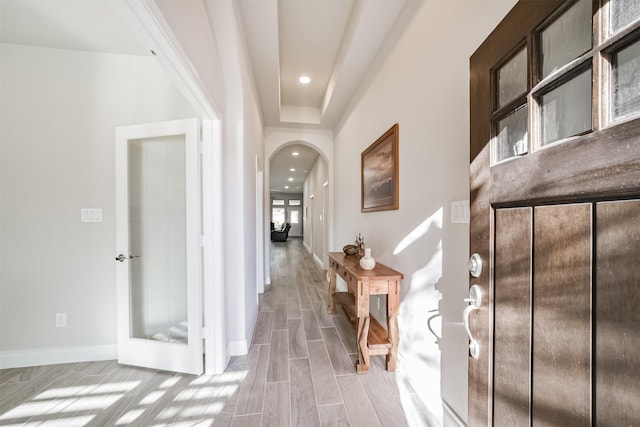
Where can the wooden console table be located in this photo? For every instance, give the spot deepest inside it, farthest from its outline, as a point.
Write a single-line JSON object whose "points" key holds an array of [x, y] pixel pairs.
{"points": [[372, 338]]}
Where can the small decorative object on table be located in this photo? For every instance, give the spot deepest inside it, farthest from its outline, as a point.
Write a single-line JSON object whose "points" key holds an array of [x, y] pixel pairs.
{"points": [[367, 262], [359, 244], [350, 250]]}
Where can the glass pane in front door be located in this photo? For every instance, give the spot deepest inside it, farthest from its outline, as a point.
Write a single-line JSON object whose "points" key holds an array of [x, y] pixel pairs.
{"points": [[624, 12], [626, 91], [512, 78], [567, 38], [512, 136], [157, 239], [566, 110]]}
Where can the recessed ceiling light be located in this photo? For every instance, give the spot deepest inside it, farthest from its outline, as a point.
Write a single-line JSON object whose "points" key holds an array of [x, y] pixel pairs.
{"points": [[305, 80], [295, 153], [292, 170], [286, 187], [290, 179]]}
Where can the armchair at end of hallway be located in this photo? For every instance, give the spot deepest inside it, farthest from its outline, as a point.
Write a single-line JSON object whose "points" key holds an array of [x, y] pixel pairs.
{"points": [[282, 234]]}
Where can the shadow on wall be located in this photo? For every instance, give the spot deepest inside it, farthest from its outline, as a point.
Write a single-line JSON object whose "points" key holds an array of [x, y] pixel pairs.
{"points": [[419, 317]]}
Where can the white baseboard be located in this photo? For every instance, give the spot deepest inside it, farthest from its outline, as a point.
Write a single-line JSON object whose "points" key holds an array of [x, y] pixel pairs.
{"points": [[306, 247], [238, 348], [451, 418], [54, 356], [318, 261]]}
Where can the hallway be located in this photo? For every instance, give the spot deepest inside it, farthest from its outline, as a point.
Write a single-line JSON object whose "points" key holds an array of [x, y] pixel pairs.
{"points": [[307, 359], [299, 371]]}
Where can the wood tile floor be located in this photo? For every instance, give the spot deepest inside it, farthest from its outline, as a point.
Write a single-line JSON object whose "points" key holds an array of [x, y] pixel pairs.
{"points": [[300, 371]]}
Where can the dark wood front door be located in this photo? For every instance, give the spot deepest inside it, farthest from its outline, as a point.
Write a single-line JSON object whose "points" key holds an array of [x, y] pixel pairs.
{"points": [[555, 216]]}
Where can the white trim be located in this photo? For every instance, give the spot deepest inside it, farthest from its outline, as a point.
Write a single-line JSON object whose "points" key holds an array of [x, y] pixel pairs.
{"points": [[238, 348], [318, 261], [147, 22], [260, 219], [215, 359], [54, 356], [452, 416], [241, 347], [306, 246]]}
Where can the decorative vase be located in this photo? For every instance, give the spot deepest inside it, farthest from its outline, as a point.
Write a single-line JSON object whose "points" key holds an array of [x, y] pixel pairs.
{"points": [[367, 262]]}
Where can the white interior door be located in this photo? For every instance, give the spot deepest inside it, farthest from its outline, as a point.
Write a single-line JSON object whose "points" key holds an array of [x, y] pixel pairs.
{"points": [[295, 219], [158, 249]]}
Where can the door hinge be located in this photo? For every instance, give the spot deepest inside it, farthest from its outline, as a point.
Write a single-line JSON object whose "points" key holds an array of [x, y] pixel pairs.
{"points": [[204, 240], [204, 332]]}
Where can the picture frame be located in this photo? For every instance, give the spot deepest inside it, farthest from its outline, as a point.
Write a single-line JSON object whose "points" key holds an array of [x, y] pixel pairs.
{"points": [[379, 173]]}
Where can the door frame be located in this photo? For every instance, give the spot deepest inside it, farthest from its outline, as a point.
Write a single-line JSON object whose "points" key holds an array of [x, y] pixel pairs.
{"points": [[260, 212], [147, 23]]}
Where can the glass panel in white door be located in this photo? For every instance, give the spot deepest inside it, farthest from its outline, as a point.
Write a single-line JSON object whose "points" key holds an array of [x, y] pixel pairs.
{"points": [[294, 219], [159, 284], [157, 237]]}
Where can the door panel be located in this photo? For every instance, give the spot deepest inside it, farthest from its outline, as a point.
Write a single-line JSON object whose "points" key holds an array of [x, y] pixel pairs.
{"points": [[157, 237], [512, 344], [562, 316], [617, 364], [585, 238]]}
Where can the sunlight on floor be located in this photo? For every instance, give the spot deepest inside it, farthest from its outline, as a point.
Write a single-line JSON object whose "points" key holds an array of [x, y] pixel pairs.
{"points": [[87, 390], [71, 399], [198, 404]]}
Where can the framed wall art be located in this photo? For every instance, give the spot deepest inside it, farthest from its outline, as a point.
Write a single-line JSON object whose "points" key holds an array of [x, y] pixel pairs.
{"points": [[379, 173]]}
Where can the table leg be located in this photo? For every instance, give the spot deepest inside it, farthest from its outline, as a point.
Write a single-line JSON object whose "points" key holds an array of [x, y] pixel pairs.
{"points": [[394, 336], [393, 303], [363, 350], [332, 291]]}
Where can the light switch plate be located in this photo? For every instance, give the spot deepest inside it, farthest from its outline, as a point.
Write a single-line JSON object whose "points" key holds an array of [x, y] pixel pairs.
{"points": [[91, 215], [460, 212], [61, 320]]}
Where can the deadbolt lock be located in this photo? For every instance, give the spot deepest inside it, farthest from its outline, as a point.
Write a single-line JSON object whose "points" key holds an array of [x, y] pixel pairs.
{"points": [[475, 265]]}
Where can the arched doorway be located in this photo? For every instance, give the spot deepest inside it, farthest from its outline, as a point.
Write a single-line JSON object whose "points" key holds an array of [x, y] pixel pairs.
{"points": [[316, 217]]}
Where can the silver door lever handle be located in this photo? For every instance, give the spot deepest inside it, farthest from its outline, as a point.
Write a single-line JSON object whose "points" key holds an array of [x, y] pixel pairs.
{"points": [[121, 257], [475, 302]]}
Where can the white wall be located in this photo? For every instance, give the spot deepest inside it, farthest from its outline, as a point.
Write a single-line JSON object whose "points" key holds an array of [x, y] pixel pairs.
{"points": [[315, 235], [207, 33], [59, 111], [423, 86]]}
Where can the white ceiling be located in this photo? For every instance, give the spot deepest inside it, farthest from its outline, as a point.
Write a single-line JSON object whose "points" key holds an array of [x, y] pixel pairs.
{"points": [[87, 25], [337, 43], [281, 164]]}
